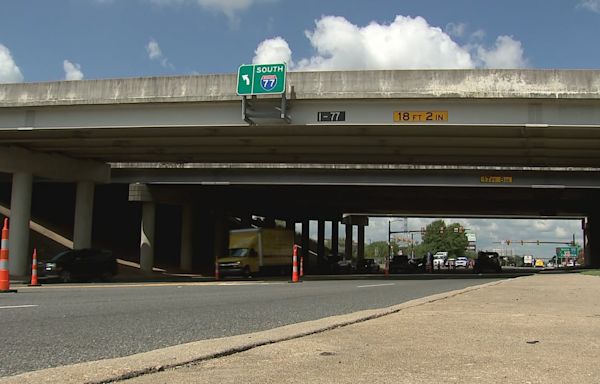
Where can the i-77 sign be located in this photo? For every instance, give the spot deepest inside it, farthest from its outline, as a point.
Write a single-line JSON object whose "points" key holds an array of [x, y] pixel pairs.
{"points": [[260, 79]]}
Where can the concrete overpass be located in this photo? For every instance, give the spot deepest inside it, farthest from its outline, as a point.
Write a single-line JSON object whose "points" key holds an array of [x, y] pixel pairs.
{"points": [[527, 138]]}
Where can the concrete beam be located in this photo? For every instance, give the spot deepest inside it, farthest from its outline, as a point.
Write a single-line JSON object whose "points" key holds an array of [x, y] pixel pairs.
{"points": [[356, 220], [52, 166], [391, 84]]}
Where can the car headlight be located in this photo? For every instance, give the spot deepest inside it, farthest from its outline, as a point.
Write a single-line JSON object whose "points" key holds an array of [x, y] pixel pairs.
{"points": [[50, 266], [231, 264]]}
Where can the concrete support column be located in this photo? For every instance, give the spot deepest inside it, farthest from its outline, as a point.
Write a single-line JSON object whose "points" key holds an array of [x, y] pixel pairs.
{"points": [[593, 230], [320, 242], [221, 235], [348, 247], [290, 224], [84, 208], [147, 236], [361, 221], [185, 259], [361, 242], [305, 241], [335, 238], [20, 214]]}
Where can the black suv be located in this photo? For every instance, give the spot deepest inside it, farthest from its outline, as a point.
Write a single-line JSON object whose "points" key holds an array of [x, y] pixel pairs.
{"points": [[80, 265], [487, 262]]}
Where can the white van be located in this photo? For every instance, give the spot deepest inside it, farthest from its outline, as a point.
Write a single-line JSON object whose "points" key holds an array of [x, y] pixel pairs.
{"points": [[439, 259]]}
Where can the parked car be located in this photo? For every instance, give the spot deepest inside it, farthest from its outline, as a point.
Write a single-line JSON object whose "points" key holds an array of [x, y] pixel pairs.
{"points": [[344, 266], [367, 266], [487, 262], [438, 261], [79, 265], [539, 263], [462, 262], [450, 262]]}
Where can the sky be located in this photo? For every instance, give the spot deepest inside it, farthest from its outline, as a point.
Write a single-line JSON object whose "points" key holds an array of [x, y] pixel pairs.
{"points": [[42, 40]]}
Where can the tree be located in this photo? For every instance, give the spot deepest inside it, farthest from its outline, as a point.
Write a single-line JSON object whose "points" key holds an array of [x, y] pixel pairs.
{"points": [[377, 250], [439, 237]]}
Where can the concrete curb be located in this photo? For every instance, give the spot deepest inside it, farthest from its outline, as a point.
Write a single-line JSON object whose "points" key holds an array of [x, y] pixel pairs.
{"points": [[110, 370]]}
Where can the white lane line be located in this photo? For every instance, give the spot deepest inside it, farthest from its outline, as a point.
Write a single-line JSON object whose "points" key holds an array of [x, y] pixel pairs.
{"points": [[19, 306], [375, 285]]}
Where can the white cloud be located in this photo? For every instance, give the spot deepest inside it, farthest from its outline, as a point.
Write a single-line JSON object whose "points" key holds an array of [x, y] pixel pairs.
{"points": [[507, 53], [9, 72], [153, 49], [72, 71], [230, 8], [458, 30], [406, 43], [591, 5], [155, 53], [274, 50]]}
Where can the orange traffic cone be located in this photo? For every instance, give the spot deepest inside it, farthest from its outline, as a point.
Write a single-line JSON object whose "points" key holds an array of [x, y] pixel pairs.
{"points": [[4, 275], [295, 265], [34, 275]]}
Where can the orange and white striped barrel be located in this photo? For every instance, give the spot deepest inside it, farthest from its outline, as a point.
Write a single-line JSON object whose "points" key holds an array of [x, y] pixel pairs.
{"points": [[295, 265], [4, 275]]}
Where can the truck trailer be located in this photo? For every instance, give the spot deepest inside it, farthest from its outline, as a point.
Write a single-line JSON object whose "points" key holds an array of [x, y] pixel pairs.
{"points": [[256, 251]]}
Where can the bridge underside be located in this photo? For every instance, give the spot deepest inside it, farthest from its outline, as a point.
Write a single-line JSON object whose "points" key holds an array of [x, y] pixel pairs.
{"points": [[475, 145]]}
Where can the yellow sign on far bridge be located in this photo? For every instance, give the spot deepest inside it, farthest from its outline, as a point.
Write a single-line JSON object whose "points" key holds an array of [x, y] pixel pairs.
{"points": [[420, 116], [496, 179]]}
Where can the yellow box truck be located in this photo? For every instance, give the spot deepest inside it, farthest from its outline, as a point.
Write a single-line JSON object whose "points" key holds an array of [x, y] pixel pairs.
{"points": [[258, 250]]}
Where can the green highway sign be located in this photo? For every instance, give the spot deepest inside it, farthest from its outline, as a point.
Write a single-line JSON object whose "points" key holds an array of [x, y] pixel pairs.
{"points": [[261, 79], [563, 252]]}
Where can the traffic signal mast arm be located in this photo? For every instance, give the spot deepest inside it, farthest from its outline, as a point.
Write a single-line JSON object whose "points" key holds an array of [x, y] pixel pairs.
{"points": [[537, 242]]}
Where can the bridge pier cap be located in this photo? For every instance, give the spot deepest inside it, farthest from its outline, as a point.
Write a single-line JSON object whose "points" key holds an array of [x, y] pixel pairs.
{"points": [[356, 220]]}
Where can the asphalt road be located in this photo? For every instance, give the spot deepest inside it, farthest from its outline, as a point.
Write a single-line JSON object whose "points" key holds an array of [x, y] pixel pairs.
{"points": [[54, 325]]}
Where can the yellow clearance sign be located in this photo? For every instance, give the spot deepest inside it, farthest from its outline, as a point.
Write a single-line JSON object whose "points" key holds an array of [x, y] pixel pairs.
{"points": [[420, 116], [496, 179]]}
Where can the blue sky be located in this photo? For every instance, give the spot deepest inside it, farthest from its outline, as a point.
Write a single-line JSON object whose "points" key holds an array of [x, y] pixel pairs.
{"points": [[50, 40], [112, 38]]}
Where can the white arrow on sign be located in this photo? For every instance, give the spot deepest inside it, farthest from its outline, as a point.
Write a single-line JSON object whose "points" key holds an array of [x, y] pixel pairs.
{"points": [[246, 79]]}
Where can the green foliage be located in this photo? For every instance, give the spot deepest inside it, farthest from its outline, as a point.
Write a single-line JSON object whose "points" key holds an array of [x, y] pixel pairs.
{"points": [[378, 250], [451, 238], [592, 272]]}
